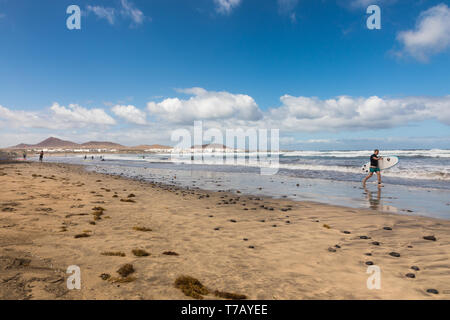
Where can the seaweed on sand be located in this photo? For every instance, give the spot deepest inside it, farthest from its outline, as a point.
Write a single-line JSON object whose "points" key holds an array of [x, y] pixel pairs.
{"points": [[113, 254], [229, 296], [191, 287], [127, 200], [82, 235], [126, 270], [105, 276], [170, 253], [143, 229], [140, 253], [98, 212]]}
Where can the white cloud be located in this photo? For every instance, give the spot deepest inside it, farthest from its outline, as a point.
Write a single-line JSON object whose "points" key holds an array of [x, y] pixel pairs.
{"points": [[226, 110], [431, 35], [130, 113], [226, 6], [75, 114], [127, 10], [57, 117], [103, 13], [344, 113], [206, 105], [21, 118]]}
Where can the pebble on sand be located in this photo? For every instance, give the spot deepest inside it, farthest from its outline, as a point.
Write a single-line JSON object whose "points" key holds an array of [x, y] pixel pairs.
{"points": [[433, 291], [394, 254], [431, 238]]}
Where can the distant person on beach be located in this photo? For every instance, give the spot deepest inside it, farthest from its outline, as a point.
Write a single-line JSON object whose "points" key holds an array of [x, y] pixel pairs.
{"points": [[85, 157], [374, 168], [24, 155], [41, 156]]}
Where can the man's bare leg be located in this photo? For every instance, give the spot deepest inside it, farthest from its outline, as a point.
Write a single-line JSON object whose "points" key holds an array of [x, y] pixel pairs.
{"points": [[379, 179], [367, 178]]}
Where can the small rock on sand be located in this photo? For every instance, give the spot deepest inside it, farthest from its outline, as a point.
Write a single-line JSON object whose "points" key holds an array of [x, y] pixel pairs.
{"points": [[394, 254]]}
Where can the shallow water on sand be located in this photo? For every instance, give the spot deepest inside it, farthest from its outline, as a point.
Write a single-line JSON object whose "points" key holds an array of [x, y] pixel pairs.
{"points": [[401, 198]]}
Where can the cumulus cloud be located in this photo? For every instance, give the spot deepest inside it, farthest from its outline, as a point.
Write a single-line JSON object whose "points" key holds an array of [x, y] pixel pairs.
{"points": [[225, 110], [130, 114], [103, 13], [430, 36], [75, 114], [21, 118], [206, 105], [57, 117], [226, 6], [344, 113]]}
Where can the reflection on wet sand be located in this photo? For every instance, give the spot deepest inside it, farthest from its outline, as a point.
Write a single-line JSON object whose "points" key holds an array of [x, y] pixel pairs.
{"points": [[375, 202]]}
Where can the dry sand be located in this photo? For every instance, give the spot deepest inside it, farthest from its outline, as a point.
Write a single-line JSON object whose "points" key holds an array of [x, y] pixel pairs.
{"points": [[298, 250]]}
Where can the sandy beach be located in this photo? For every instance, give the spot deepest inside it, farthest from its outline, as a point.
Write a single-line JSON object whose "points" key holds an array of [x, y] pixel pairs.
{"points": [[53, 216]]}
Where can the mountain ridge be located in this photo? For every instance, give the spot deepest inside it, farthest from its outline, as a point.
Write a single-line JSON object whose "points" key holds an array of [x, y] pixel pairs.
{"points": [[53, 142]]}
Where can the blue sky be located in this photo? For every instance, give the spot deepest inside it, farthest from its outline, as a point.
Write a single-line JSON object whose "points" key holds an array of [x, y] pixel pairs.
{"points": [[126, 75]]}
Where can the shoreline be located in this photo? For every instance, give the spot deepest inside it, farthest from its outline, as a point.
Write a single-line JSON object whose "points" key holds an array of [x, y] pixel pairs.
{"points": [[421, 197], [294, 249]]}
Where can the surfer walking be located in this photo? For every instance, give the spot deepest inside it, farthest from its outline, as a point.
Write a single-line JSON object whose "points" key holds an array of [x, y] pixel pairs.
{"points": [[374, 168]]}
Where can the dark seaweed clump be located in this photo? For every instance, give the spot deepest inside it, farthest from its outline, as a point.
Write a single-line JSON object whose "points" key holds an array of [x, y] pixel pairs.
{"points": [[126, 270], [140, 253], [191, 287]]}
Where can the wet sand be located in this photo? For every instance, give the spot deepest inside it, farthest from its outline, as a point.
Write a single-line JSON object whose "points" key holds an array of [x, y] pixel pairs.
{"points": [[53, 216]]}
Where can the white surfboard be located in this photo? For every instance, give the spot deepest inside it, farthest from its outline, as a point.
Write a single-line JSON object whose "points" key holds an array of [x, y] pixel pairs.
{"points": [[385, 163]]}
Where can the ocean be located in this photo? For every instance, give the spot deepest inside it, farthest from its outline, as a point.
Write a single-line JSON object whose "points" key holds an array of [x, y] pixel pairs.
{"points": [[418, 185]]}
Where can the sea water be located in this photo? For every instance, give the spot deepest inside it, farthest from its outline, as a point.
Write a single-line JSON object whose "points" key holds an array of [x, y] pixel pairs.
{"points": [[418, 185]]}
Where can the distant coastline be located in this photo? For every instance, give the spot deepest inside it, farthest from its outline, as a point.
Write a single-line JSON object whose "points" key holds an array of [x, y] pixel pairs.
{"points": [[59, 146]]}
